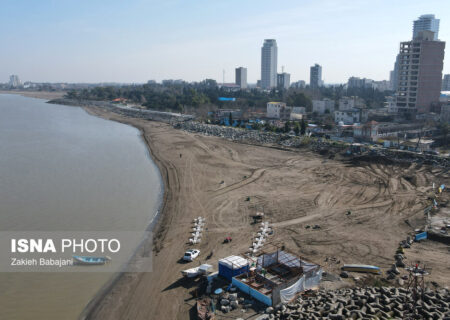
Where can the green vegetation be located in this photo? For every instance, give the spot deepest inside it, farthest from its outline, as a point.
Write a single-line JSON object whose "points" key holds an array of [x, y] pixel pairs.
{"points": [[177, 96], [303, 127]]}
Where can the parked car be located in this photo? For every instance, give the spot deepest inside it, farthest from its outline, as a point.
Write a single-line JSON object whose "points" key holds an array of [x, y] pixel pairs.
{"points": [[191, 254]]}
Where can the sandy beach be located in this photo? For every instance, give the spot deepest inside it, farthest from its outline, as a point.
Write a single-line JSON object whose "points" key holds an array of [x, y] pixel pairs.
{"points": [[294, 188]]}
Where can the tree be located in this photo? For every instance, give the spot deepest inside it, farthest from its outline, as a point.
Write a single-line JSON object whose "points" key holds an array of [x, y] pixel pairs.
{"points": [[287, 127], [72, 94], [295, 98], [303, 127], [297, 128]]}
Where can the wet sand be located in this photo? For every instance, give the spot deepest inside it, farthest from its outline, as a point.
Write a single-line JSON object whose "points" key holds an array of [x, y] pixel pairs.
{"points": [[295, 189]]}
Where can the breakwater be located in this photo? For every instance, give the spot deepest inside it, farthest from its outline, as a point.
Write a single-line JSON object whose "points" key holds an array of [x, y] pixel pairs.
{"points": [[321, 145]]}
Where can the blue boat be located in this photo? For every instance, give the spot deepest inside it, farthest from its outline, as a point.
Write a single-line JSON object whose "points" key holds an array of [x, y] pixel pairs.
{"points": [[85, 260]]}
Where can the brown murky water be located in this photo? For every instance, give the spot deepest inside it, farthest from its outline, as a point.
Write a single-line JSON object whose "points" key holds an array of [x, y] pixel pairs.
{"points": [[62, 169]]}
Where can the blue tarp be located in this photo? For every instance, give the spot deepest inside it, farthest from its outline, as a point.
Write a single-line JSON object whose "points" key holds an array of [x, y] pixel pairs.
{"points": [[420, 236], [226, 99]]}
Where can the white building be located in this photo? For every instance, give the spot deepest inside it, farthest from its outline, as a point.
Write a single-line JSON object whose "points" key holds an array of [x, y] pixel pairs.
{"points": [[426, 22], [269, 53], [346, 103], [347, 117], [391, 105], [241, 77], [352, 116], [278, 110], [297, 113], [321, 106]]}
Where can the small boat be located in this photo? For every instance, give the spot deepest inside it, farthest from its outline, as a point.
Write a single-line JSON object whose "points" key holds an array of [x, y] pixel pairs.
{"points": [[361, 268], [193, 272], [86, 260]]}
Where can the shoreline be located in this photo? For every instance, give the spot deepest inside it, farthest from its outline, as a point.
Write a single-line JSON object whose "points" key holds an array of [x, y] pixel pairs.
{"points": [[44, 95], [289, 184], [89, 310], [193, 181], [116, 277]]}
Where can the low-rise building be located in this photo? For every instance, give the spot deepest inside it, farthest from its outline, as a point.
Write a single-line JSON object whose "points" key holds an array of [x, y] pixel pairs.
{"points": [[351, 116], [224, 114], [323, 106], [391, 105], [347, 103], [278, 110], [278, 277], [299, 110], [230, 87], [374, 131], [297, 113], [417, 144]]}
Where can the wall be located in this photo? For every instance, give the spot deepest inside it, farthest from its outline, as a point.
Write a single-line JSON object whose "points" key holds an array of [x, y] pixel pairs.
{"points": [[252, 292]]}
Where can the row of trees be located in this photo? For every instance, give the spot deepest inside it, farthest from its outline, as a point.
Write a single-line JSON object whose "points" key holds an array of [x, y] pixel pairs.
{"points": [[175, 96]]}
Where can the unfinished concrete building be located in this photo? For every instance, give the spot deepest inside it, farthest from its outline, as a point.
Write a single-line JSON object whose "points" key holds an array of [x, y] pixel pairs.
{"points": [[419, 74]]}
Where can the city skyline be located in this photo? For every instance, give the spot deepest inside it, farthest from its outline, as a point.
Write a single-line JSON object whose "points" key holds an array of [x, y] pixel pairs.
{"points": [[137, 41]]}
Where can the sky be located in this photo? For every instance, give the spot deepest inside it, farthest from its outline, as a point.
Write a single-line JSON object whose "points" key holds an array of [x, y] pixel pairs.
{"points": [[134, 41]]}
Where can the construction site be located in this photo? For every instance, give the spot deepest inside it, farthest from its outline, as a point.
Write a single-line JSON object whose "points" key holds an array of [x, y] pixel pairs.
{"points": [[328, 209]]}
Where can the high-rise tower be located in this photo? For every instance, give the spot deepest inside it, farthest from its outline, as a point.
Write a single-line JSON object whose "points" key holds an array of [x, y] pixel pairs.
{"points": [[269, 52], [426, 22]]}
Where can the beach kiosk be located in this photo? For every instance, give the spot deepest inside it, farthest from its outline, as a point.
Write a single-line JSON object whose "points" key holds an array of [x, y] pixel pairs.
{"points": [[232, 266]]}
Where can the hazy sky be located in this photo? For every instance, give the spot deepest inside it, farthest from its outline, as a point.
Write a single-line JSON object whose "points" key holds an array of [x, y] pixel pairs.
{"points": [[134, 41]]}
